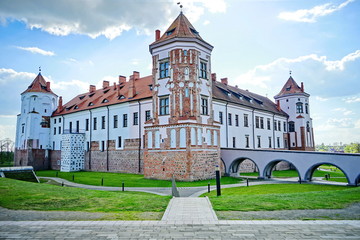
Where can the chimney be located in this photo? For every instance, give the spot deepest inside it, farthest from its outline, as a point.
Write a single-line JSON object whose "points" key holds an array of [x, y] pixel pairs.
{"points": [[278, 105], [224, 81], [60, 106], [213, 76], [136, 75], [157, 35], [105, 84], [302, 87], [114, 85], [132, 90], [92, 88], [48, 86], [122, 79]]}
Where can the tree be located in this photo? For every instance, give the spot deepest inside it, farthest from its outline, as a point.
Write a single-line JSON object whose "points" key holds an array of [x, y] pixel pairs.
{"points": [[352, 148], [6, 151]]}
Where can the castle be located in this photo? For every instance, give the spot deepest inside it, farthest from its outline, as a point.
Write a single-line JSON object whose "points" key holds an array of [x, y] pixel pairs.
{"points": [[172, 123]]}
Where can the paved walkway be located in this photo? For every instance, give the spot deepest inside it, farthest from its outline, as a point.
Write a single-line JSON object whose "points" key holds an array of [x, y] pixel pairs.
{"points": [[269, 230], [189, 209]]}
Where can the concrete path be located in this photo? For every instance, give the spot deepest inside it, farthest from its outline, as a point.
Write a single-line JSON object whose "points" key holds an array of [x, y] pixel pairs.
{"points": [[189, 209], [144, 230]]}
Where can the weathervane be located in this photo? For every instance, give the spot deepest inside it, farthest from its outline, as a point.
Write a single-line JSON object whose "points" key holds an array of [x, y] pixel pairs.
{"points": [[40, 69], [181, 6], [290, 72]]}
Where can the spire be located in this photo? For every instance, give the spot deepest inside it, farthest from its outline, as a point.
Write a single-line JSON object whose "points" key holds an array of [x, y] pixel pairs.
{"points": [[290, 87], [39, 85]]}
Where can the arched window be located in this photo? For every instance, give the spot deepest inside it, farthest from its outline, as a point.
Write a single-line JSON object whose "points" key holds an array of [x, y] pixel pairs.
{"points": [[157, 139], [306, 108], [291, 126], [149, 139], [308, 126], [173, 138], [199, 136], [208, 137], [193, 136], [299, 107], [215, 138], [182, 137]]}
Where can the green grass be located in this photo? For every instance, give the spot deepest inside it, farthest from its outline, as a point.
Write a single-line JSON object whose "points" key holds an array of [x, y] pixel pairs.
{"points": [[130, 180], [272, 197], [17, 194]]}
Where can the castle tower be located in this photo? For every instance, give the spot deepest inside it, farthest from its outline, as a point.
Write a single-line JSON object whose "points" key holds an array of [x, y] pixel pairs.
{"points": [[293, 100], [33, 124], [181, 138]]}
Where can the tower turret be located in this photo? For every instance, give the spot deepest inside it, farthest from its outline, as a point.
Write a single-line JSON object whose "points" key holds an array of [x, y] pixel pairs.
{"points": [[293, 100], [38, 102]]}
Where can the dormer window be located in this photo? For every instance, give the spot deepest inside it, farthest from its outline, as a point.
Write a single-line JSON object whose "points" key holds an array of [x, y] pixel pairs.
{"points": [[121, 97], [150, 87], [106, 90], [91, 104], [81, 97], [194, 31], [92, 94], [168, 33], [76, 107], [288, 88], [105, 101]]}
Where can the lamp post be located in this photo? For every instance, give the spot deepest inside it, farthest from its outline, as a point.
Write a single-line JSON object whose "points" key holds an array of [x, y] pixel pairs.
{"points": [[217, 172]]}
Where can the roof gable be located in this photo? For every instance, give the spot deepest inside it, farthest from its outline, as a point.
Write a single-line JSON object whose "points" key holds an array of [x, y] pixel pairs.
{"points": [[290, 87], [39, 85]]}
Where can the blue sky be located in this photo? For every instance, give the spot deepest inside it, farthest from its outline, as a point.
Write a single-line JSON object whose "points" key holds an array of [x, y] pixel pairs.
{"points": [[256, 43]]}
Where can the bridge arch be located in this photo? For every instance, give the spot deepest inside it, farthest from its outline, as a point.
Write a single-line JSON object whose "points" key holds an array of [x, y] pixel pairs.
{"points": [[309, 173], [235, 164], [269, 167]]}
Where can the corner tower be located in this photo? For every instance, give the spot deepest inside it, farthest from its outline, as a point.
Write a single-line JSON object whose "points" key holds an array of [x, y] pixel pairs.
{"points": [[181, 138], [293, 100], [32, 143]]}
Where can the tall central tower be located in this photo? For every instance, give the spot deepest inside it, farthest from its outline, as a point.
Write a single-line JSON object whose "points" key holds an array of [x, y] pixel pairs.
{"points": [[181, 138]]}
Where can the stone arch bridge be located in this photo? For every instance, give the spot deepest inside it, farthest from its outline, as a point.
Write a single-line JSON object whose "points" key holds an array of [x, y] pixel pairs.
{"points": [[304, 162]]}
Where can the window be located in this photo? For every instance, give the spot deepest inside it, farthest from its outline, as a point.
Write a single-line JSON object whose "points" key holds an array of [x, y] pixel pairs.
{"points": [[115, 121], [135, 118], [221, 117], [87, 146], [59, 120], [164, 106], [299, 107], [186, 92], [284, 126], [22, 128], [278, 142], [279, 125], [291, 126], [53, 146], [234, 142], [59, 132], [269, 142], [77, 126], [246, 120], [262, 123], [203, 71], [87, 124], [185, 52], [275, 125], [307, 126], [257, 122], [102, 122], [102, 146], [95, 123], [259, 141], [247, 141], [236, 120], [54, 130], [164, 69], [229, 119], [70, 127], [268, 124], [306, 108], [119, 142], [54, 120], [204, 106], [147, 115], [125, 118]]}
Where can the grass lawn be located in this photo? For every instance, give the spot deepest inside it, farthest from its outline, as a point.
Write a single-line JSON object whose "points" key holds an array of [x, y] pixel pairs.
{"points": [[17, 194], [272, 197], [294, 173], [130, 180]]}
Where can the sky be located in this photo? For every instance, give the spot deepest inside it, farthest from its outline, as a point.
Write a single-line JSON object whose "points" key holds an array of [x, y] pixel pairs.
{"points": [[256, 44]]}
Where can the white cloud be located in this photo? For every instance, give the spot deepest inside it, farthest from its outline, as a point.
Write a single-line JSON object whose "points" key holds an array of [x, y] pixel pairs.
{"points": [[107, 18], [8, 131], [340, 64], [353, 99], [206, 22], [344, 111], [8, 74], [341, 122], [321, 99], [311, 15], [37, 50]]}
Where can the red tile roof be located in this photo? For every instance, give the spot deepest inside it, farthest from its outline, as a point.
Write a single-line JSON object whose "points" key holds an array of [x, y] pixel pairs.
{"points": [[39, 85], [290, 87], [180, 28], [107, 96]]}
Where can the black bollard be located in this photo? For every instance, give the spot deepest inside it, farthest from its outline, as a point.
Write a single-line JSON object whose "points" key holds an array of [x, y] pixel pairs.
{"points": [[218, 189], [123, 186], [57, 174], [102, 181], [326, 177], [62, 184], [247, 182], [300, 180], [208, 187], [329, 175]]}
